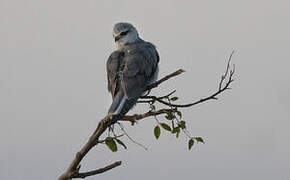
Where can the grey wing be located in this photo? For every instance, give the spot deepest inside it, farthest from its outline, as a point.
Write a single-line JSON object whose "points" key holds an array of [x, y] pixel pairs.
{"points": [[114, 64], [139, 69]]}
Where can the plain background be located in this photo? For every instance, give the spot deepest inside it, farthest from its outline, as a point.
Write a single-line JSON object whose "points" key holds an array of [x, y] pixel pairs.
{"points": [[53, 87]]}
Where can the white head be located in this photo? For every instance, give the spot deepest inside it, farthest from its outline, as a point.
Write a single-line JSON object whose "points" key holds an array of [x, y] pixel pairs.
{"points": [[124, 33]]}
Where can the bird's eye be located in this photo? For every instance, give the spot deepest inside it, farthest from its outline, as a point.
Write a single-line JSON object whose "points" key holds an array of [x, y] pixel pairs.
{"points": [[124, 33]]}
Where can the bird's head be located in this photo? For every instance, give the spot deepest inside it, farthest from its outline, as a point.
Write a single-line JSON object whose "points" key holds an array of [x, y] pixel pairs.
{"points": [[124, 33]]}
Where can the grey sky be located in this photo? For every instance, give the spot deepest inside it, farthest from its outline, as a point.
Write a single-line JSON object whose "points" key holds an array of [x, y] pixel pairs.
{"points": [[53, 87]]}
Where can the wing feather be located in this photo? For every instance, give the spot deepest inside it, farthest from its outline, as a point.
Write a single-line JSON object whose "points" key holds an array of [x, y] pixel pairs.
{"points": [[141, 63], [132, 70], [114, 64]]}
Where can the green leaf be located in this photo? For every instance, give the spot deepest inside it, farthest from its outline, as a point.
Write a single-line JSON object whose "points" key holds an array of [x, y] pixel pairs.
{"points": [[190, 143], [170, 116], [182, 124], [165, 126], [177, 133], [174, 98], [199, 139], [157, 131], [175, 130], [121, 143], [111, 144]]}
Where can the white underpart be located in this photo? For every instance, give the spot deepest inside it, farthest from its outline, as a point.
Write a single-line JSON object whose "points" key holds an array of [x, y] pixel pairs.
{"points": [[119, 109]]}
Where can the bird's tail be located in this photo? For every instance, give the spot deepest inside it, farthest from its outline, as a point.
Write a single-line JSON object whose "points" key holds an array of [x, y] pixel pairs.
{"points": [[120, 106]]}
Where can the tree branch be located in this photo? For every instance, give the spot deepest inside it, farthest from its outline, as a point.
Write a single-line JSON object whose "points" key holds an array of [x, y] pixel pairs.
{"points": [[213, 96], [73, 169], [136, 117], [228, 73], [156, 84], [97, 171]]}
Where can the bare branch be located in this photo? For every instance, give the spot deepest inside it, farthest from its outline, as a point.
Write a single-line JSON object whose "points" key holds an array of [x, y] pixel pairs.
{"points": [[228, 73], [156, 84], [166, 96], [227, 70], [213, 96], [150, 101], [97, 171], [74, 167]]}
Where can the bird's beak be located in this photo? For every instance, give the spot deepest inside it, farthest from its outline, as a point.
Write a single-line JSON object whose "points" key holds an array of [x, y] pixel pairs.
{"points": [[117, 38]]}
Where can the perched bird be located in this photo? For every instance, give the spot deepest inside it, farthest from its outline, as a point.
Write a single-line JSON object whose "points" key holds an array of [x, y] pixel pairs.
{"points": [[130, 69]]}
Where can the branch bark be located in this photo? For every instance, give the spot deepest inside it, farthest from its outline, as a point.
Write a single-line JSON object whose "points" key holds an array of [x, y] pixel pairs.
{"points": [[73, 170], [136, 117], [97, 171]]}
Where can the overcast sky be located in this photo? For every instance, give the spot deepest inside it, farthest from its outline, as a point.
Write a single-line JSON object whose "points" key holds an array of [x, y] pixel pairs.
{"points": [[53, 87]]}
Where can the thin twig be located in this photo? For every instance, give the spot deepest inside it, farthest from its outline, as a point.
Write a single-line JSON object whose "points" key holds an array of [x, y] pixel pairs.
{"points": [[166, 96], [213, 96], [227, 70], [97, 171], [131, 139]]}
